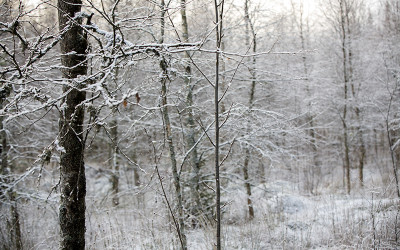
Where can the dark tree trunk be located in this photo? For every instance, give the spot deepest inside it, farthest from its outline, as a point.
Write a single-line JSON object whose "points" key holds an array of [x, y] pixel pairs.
{"points": [[73, 180]]}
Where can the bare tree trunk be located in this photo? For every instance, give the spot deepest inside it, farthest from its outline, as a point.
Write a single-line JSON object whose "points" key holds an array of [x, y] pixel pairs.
{"points": [[73, 180], [168, 135], [114, 124], [249, 32], [219, 9], [195, 208], [346, 80], [114, 159]]}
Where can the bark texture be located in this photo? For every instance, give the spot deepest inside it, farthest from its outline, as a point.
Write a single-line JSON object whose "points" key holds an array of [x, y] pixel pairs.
{"points": [[73, 180]]}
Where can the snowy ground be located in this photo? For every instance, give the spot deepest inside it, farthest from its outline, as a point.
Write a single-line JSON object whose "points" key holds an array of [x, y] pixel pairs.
{"points": [[285, 219]]}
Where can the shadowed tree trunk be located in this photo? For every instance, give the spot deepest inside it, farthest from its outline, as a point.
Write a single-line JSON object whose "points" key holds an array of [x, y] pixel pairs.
{"points": [[73, 180]]}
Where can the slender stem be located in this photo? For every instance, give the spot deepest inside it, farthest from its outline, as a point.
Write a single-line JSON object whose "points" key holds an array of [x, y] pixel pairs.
{"points": [[218, 30]]}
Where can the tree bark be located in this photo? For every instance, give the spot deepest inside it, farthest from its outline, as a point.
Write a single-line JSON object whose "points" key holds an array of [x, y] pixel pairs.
{"points": [[73, 180]]}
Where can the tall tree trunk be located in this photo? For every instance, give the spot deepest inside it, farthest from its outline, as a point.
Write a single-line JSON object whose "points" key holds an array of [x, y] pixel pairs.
{"points": [[219, 9], [114, 122], [168, 135], [249, 33], [346, 81], [191, 134], [73, 180]]}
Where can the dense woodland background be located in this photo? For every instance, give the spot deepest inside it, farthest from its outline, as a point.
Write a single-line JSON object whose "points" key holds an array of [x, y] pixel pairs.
{"points": [[309, 104]]}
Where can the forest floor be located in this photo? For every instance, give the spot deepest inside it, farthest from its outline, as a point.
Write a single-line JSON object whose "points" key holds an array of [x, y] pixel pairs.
{"points": [[285, 218]]}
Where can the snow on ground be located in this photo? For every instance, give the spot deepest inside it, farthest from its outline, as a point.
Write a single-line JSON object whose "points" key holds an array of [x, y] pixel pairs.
{"points": [[285, 218]]}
